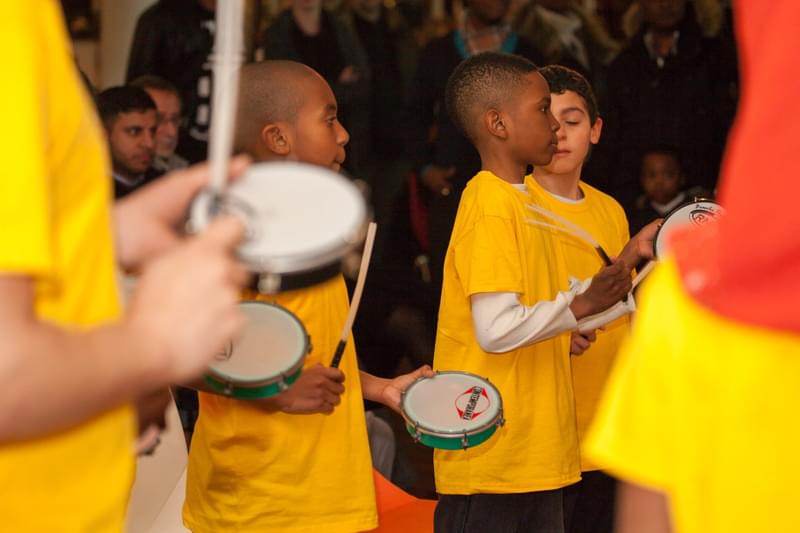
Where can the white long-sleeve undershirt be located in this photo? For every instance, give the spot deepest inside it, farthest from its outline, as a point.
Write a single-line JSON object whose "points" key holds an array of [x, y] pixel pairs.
{"points": [[503, 324]]}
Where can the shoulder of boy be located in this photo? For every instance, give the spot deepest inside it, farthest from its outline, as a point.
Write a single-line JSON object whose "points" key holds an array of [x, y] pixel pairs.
{"points": [[490, 197]]}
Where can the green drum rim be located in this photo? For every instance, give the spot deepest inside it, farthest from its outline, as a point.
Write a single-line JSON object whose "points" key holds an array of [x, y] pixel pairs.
{"points": [[451, 443], [252, 392]]}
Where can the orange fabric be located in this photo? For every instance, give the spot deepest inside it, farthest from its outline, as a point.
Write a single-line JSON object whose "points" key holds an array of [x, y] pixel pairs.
{"points": [[746, 268], [400, 512]]}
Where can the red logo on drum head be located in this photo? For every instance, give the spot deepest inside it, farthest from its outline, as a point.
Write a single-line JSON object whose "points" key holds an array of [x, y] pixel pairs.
{"points": [[472, 402], [702, 216]]}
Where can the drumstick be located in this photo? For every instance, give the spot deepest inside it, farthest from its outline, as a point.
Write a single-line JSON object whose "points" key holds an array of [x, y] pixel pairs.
{"points": [[599, 249], [642, 273], [227, 57], [362, 276], [571, 228]]}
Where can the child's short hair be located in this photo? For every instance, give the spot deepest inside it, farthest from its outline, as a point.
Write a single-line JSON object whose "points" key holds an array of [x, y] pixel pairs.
{"points": [[122, 99], [269, 91], [563, 79], [663, 149], [483, 81], [155, 83]]}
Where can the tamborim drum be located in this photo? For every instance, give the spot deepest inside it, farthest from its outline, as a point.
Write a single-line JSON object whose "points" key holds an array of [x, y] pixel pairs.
{"points": [[302, 220], [452, 410], [697, 213], [266, 358]]}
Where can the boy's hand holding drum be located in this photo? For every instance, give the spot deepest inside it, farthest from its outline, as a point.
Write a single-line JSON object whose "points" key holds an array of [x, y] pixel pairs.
{"points": [[317, 390], [641, 245]]}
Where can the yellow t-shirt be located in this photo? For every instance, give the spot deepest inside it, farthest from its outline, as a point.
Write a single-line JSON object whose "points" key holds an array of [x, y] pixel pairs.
{"points": [[704, 409], [493, 249], [604, 219], [250, 471], [55, 227]]}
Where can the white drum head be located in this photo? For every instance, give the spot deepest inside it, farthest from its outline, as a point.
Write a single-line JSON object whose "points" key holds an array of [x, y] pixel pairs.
{"points": [[452, 402], [299, 216], [273, 342], [698, 213]]}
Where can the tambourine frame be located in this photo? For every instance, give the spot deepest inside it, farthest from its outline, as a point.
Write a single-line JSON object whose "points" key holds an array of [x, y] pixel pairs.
{"points": [[282, 268], [696, 200], [253, 388], [497, 420]]}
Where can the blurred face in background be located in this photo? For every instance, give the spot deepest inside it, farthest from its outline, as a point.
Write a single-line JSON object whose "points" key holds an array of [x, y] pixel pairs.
{"points": [[554, 5], [168, 119], [307, 5], [489, 12], [661, 177], [663, 15], [131, 138]]}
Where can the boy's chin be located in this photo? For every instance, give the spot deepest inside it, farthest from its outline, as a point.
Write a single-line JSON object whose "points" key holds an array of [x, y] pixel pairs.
{"points": [[542, 161]]}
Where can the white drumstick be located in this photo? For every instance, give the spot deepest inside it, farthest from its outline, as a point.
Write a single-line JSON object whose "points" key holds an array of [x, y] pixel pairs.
{"points": [[570, 228], [227, 57], [362, 276], [642, 273]]}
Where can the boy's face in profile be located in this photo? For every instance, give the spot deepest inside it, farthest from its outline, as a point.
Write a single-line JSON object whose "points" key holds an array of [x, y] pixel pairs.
{"points": [[661, 177], [534, 127], [576, 133], [318, 137]]}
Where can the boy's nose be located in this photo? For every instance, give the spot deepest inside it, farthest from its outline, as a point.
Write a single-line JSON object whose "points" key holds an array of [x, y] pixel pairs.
{"points": [[554, 124], [342, 136]]}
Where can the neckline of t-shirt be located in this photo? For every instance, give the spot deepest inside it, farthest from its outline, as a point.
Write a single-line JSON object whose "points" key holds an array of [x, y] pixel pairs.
{"points": [[519, 187], [561, 202]]}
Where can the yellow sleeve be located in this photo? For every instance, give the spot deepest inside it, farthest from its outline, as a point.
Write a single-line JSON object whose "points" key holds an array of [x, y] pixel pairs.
{"points": [[25, 210], [633, 431], [487, 258]]}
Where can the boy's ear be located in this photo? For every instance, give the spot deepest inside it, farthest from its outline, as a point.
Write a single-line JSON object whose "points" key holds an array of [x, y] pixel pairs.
{"points": [[597, 129], [275, 139], [494, 122]]}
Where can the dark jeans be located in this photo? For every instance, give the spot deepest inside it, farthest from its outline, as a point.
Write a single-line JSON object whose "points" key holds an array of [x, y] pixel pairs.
{"points": [[594, 506], [546, 511]]}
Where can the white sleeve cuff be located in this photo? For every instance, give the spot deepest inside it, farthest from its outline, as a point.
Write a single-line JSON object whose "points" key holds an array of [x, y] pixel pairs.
{"points": [[593, 322]]}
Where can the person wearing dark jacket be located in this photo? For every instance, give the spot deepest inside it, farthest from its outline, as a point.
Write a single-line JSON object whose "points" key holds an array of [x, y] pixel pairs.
{"points": [[671, 86], [445, 160], [173, 40], [308, 34]]}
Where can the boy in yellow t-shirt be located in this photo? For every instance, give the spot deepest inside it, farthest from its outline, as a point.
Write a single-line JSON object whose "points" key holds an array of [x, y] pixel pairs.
{"points": [[558, 188], [507, 308], [256, 466]]}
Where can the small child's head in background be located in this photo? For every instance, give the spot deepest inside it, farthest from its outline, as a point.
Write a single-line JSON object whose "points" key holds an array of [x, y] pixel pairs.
{"points": [[286, 111], [502, 104], [575, 107], [661, 174]]}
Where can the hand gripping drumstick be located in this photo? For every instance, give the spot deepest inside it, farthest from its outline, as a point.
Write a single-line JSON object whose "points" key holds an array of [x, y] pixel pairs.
{"points": [[362, 276]]}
